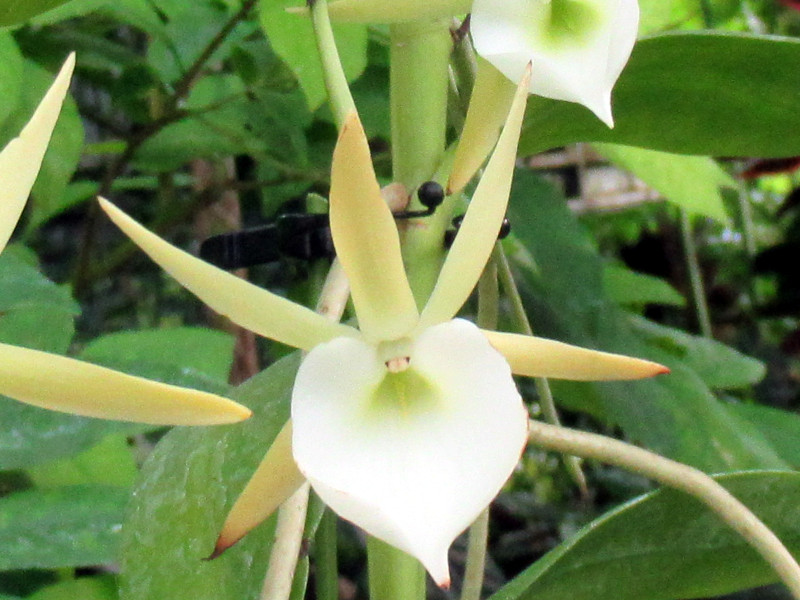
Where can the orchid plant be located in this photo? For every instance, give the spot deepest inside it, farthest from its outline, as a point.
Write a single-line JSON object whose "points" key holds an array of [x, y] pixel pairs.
{"points": [[405, 419]]}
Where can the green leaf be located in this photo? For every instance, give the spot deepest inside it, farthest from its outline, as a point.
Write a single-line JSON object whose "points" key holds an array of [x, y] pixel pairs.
{"points": [[110, 462], [189, 356], [186, 489], [632, 288], [292, 38], [63, 527], [11, 74], [666, 546], [691, 182], [98, 587], [720, 366], [690, 93], [780, 427], [18, 11], [676, 415]]}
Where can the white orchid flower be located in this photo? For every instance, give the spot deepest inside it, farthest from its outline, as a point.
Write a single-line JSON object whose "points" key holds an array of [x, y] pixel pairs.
{"points": [[64, 384], [411, 424]]}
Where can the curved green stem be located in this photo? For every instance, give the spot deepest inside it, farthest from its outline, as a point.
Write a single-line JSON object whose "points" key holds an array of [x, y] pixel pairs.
{"points": [[523, 324], [679, 476], [335, 81], [695, 277]]}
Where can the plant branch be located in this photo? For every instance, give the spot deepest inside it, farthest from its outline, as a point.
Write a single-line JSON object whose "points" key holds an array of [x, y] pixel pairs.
{"points": [[681, 477]]}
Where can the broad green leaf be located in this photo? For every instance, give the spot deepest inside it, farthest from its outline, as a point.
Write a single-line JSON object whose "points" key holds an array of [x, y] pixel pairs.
{"points": [[11, 74], [691, 182], [98, 587], [63, 527], [627, 287], [13, 12], [189, 356], [111, 462], [780, 427], [292, 38], [666, 546], [187, 487], [676, 415], [716, 94], [720, 366], [64, 150]]}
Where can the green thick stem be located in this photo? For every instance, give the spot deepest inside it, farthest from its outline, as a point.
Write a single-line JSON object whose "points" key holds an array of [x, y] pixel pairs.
{"points": [[695, 276], [681, 477], [327, 571], [393, 574], [419, 54]]}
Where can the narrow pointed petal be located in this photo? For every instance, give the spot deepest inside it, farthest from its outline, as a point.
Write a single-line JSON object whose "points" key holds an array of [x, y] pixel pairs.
{"points": [[68, 385], [245, 304], [411, 457], [366, 240], [540, 357], [578, 48], [276, 478], [488, 108], [478, 232], [395, 11], [21, 159]]}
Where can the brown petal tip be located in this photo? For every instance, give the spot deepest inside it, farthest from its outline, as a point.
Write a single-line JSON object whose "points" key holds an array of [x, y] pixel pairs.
{"points": [[221, 546]]}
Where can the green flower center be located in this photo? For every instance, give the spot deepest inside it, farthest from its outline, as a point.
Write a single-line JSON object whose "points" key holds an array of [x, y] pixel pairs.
{"points": [[404, 394], [569, 22]]}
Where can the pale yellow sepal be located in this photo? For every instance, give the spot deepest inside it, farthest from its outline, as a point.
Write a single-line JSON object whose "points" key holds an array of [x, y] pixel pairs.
{"points": [[478, 232], [488, 108], [276, 478], [393, 11], [21, 158], [68, 385], [245, 304], [540, 357], [366, 240]]}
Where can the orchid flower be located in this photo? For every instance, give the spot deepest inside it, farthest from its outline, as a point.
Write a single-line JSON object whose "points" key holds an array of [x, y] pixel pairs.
{"points": [[64, 384], [409, 425]]}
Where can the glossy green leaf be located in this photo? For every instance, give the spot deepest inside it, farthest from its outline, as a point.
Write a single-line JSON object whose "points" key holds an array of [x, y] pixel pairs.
{"points": [[628, 287], [666, 546], [13, 12], [62, 527], [720, 366], [11, 74], [189, 356], [98, 587], [780, 427], [111, 462], [187, 487], [691, 182], [676, 415], [292, 37], [696, 93]]}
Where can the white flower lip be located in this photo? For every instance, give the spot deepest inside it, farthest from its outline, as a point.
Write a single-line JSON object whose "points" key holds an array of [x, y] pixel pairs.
{"points": [[578, 47]]}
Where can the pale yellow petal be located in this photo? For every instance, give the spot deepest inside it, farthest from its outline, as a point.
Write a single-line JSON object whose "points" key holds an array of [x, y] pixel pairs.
{"points": [[68, 385], [488, 108], [245, 304], [21, 158], [276, 478], [540, 357], [366, 240], [478, 232]]}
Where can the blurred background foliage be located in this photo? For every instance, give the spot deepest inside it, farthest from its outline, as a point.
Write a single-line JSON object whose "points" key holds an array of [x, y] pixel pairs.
{"points": [[673, 236]]}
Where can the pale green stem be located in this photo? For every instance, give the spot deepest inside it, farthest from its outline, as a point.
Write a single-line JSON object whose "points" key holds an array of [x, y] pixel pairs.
{"points": [[419, 53], [393, 574], [327, 571], [488, 313], [681, 477], [292, 513], [285, 550], [339, 95], [523, 324], [746, 214], [695, 277]]}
